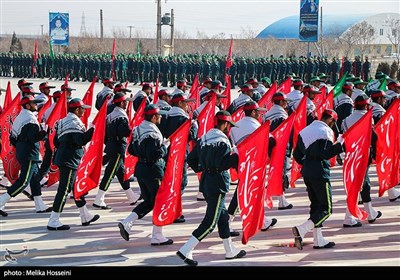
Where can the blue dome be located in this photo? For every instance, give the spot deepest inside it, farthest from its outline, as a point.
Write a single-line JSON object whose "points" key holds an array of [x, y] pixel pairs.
{"points": [[288, 28]]}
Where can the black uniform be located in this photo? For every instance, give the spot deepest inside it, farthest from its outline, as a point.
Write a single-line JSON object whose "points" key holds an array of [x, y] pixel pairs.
{"points": [[313, 150], [213, 157], [70, 138], [116, 132]]}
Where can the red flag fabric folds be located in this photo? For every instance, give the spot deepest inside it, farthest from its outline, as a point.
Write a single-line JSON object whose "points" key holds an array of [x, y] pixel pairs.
{"points": [[229, 60], [168, 204], [8, 97], [10, 164], [275, 177], [206, 117], [387, 147], [285, 86], [357, 143], [252, 170], [89, 171], [88, 100]]}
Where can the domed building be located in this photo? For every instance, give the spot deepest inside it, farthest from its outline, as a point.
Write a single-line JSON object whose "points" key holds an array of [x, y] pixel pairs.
{"points": [[383, 43]]}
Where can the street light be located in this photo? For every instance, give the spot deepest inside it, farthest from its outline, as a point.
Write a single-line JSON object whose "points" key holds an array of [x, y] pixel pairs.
{"points": [[130, 30]]}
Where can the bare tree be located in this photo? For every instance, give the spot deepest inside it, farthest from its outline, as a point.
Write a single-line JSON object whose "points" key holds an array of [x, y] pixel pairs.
{"points": [[366, 35], [394, 37]]}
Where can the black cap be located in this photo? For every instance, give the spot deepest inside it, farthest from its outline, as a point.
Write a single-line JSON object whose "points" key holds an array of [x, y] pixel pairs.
{"points": [[362, 99], [224, 116], [153, 109], [217, 84], [121, 96]]}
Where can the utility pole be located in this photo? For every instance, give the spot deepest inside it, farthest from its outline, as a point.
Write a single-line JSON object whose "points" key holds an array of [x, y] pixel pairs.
{"points": [[101, 24], [42, 28], [172, 32], [158, 40], [130, 30], [321, 37]]}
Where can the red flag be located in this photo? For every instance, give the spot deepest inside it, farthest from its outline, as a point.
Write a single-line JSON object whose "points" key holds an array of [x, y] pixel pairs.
{"points": [[10, 164], [266, 99], [155, 100], [253, 155], [114, 47], [194, 94], [43, 109], [326, 104], [88, 100], [35, 57], [206, 117], [300, 122], [59, 112], [386, 148], [8, 97], [195, 85], [89, 171], [66, 80], [229, 60], [275, 176], [131, 160], [227, 92], [286, 86], [319, 98], [357, 141], [397, 162], [168, 204]]}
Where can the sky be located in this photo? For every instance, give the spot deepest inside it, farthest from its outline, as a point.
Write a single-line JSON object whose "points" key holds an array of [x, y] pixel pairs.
{"points": [[206, 16]]}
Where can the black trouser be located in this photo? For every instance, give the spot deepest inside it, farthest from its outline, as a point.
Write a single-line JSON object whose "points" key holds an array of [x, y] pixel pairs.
{"points": [[320, 195], [48, 154], [29, 174], [216, 214], [366, 188], [66, 184], [149, 188], [115, 166]]}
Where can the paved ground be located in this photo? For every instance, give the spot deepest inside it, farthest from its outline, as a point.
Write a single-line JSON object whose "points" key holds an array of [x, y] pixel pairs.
{"points": [[100, 244]]}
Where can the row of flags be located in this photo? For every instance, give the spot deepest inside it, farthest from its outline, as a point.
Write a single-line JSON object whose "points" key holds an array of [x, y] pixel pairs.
{"points": [[257, 183]]}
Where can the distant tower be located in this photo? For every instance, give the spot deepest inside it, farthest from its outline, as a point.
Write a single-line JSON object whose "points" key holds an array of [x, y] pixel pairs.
{"points": [[83, 25]]}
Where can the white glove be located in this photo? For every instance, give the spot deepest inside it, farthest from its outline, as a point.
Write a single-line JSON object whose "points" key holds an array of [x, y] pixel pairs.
{"points": [[340, 139], [235, 150], [91, 125], [166, 143], [45, 126]]}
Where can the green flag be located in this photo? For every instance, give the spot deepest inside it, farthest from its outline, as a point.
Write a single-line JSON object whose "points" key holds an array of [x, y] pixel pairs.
{"points": [[383, 85], [338, 87], [51, 52]]}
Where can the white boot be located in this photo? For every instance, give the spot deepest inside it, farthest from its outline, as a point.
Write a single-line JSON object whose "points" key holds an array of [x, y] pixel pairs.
{"points": [[99, 201], [28, 189], [54, 222], [283, 204], [132, 196], [4, 182], [4, 198], [231, 251], [157, 237], [372, 213], [393, 194], [319, 241], [300, 232], [86, 216], [40, 206], [188, 247], [349, 220], [268, 223], [126, 225]]}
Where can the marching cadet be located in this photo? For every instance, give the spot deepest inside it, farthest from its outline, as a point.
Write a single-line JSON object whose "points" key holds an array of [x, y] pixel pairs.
{"points": [[358, 89], [25, 136], [344, 104], [150, 147], [313, 150], [68, 90], [147, 90], [164, 100], [216, 88], [21, 84], [104, 93], [246, 96], [44, 95], [295, 95], [392, 93], [117, 130], [264, 86], [310, 92], [71, 137], [213, 157], [361, 104], [206, 88], [254, 83], [379, 98], [247, 125], [173, 120], [181, 87], [277, 115]]}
